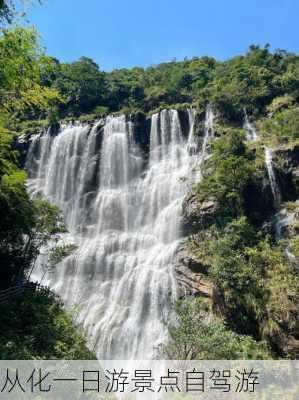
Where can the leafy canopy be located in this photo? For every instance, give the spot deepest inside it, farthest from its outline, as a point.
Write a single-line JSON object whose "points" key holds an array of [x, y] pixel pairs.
{"points": [[195, 335], [21, 65], [230, 168]]}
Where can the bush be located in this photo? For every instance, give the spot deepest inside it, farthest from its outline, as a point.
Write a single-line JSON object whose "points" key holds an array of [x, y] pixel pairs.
{"points": [[256, 284], [197, 335], [35, 326], [283, 127], [230, 168]]}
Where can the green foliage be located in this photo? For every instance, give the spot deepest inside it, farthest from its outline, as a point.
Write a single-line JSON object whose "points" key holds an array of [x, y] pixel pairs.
{"points": [[257, 288], [16, 214], [282, 127], [7, 156], [21, 63], [25, 225], [235, 278], [33, 82], [8, 11], [35, 326], [85, 88], [98, 113], [230, 169], [58, 253], [29, 127], [256, 284], [252, 81], [279, 103], [48, 221], [279, 319], [80, 83], [294, 245], [197, 335]]}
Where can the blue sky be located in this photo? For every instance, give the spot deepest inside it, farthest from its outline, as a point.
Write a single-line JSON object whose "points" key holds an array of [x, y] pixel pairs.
{"points": [[126, 33]]}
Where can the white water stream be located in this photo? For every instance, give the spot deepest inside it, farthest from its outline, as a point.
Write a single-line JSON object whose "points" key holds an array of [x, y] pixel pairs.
{"points": [[125, 219]]}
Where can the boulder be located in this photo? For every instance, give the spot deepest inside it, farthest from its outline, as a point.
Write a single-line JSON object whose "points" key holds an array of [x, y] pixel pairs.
{"points": [[191, 275], [198, 214]]}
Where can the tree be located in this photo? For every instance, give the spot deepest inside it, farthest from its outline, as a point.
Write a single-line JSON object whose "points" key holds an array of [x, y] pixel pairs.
{"points": [[38, 327], [25, 225], [82, 85], [282, 127], [255, 284], [21, 63], [197, 335], [238, 280], [252, 81], [8, 10], [230, 168]]}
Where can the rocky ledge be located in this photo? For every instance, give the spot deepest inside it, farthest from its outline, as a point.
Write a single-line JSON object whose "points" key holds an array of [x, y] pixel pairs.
{"points": [[191, 280], [198, 215]]}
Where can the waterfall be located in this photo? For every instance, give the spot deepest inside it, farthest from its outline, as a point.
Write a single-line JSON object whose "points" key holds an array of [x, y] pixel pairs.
{"points": [[208, 135], [192, 141], [251, 133], [282, 217], [272, 177], [122, 211]]}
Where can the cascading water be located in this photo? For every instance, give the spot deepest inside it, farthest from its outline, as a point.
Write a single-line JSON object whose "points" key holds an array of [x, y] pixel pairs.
{"points": [[209, 131], [192, 140], [125, 220], [282, 217], [272, 177], [251, 133], [208, 135]]}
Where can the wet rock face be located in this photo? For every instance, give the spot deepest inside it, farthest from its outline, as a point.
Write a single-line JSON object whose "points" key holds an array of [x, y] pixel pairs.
{"points": [[22, 142], [185, 122], [288, 172], [191, 276], [258, 201], [199, 124], [141, 131], [291, 156], [198, 215]]}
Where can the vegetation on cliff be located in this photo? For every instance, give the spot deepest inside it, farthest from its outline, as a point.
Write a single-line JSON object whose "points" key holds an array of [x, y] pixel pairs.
{"points": [[251, 81], [195, 335], [34, 324], [257, 286], [48, 89]]}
